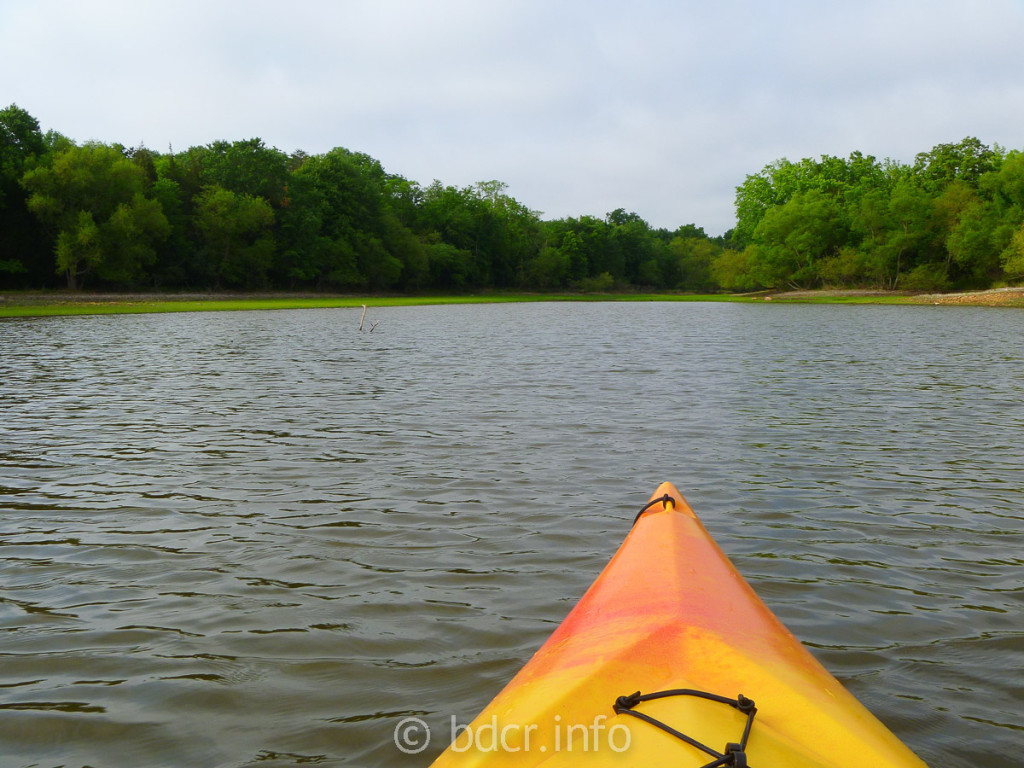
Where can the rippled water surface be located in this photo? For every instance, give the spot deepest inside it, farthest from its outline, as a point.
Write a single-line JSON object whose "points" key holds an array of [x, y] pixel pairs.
{"points": [[235, 539]]}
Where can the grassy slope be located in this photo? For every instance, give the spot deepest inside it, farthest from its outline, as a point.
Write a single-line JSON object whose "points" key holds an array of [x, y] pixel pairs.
{"points": [[50, 304], [42, 304]]}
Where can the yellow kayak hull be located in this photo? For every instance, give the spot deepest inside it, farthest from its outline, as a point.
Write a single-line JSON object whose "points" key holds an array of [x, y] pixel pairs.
{"points": [[671, 612]]}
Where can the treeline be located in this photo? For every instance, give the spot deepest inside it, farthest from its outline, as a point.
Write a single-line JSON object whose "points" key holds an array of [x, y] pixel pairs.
{"points": [[241, 215], [953, 218]]}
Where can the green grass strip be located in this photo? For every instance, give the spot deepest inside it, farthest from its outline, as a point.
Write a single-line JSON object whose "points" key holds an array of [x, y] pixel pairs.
{"points": [[14, 305], [55, 304]]}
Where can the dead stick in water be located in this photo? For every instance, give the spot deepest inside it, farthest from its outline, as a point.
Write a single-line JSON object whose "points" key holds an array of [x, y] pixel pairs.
{"points": [[361, 318]]}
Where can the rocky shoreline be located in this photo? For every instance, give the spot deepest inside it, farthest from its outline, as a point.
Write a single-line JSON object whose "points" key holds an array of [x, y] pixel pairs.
{"points": [[994, 297]]}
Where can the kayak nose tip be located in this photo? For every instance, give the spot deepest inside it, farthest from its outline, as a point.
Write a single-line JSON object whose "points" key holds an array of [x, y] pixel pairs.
{"points": [[668, 497], [666, 489], [679, 503]]}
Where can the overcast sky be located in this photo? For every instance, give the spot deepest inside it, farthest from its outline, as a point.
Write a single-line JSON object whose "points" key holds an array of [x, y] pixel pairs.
{"points": [[580, 106]]}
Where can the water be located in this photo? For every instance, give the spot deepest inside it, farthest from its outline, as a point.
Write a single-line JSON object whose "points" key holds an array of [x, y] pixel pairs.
{"points": [[262, 539]]}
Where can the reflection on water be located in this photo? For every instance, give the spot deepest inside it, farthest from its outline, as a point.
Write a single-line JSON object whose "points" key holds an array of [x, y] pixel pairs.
{"points": [[264, 538]]}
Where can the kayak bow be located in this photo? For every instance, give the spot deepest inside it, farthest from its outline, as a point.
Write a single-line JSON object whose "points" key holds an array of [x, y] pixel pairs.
{"points": [[670, 615]]}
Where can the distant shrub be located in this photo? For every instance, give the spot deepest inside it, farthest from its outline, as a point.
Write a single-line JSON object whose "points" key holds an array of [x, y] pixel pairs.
{"points": [[600, 284], [926, 277]]}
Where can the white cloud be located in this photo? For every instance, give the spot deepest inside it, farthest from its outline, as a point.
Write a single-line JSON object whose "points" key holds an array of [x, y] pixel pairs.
{"points": [[582, 107]]}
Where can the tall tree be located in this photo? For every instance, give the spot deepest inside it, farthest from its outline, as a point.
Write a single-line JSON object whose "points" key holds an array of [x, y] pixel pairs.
{"points": [[454, 216], [247, 167], [20, 141], [512, 232], [1012, 257], [966, 160], [910, 209], [92, 199], [694, 256], [21, 237], [236, 228], [797, 235], [349, 192]]}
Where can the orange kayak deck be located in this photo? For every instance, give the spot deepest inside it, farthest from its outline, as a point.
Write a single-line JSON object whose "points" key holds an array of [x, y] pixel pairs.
{"points": [[671, 612]]}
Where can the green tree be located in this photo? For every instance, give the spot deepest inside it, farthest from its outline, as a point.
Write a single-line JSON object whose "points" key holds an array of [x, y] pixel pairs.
{"points": [[909, 210], [968, 230], [351, 196], [1004, 187], [404, 199], [773, 185], [966, 161], [304, 251], [179, 260], [974, 245], [455, 217], [400, 243], [550, 269], [450, 268], [20, 142], [236, 230], [92, 199], [694, 257], [741, 271], [850, 266], [795, 236], [511, 233], [574, 252], [1012, 257], [590, 243], [637, 249], [21, 236], [1003, 191], [247, 167], [131, 237], [779, 182]]}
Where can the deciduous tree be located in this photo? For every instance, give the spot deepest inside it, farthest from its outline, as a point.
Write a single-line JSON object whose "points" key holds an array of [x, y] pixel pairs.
{"points": [[21, 239], [236, 229], [92, 199]]}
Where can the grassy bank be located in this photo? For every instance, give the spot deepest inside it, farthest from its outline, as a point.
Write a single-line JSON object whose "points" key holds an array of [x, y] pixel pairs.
{"points": [[43, 304]]}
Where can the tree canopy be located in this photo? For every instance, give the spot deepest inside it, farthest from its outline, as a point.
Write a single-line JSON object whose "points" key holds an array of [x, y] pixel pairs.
{"points": [[947, 220], [243, 215]]}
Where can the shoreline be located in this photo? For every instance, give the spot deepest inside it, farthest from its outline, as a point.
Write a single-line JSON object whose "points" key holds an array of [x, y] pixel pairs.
{"points": [[990, 297], [64, 303]]}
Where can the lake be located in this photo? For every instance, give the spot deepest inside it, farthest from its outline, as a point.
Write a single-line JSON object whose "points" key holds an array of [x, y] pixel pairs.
{"points": [[265, 538]]}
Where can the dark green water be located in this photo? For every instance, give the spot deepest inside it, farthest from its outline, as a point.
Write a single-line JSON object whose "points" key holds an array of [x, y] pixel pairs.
{"points": [[263, 539]]}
